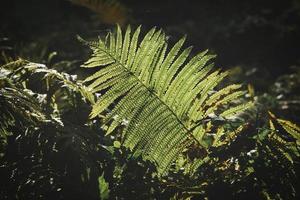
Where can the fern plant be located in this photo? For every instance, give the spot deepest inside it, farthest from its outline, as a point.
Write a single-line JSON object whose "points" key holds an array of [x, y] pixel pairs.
{"points": [[40, 138], [164, 99]]}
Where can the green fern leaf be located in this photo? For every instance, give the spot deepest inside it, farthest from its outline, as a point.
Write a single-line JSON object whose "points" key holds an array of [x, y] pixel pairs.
{"points": [[288, 126], [160, 95]]}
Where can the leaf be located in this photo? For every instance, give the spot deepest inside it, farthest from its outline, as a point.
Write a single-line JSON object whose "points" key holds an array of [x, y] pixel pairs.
{"points": [[103, 188], [158, 92], [117, 144], [288, 126], [291, 128]]}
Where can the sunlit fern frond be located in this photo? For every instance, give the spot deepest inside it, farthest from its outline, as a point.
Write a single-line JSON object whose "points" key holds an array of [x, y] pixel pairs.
{"points": [[291, 128], [17, 101], [21, 72], [162, 96], [287, 146], [17, 107], [53, 93]]}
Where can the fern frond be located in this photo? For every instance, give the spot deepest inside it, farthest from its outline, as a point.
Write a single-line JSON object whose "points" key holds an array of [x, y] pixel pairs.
{"points": [[158, 92], [290, 127], [229, 113]]}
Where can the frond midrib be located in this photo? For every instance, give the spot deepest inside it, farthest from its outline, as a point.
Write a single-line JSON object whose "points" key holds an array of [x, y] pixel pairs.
{"points": [[189, 132]]}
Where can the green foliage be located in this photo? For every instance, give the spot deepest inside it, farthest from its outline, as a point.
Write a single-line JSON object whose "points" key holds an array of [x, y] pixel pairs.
{"points": [[163, 98], [290, 127], [103, 187], [286, 136], [50, 149], [46, 151]]}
